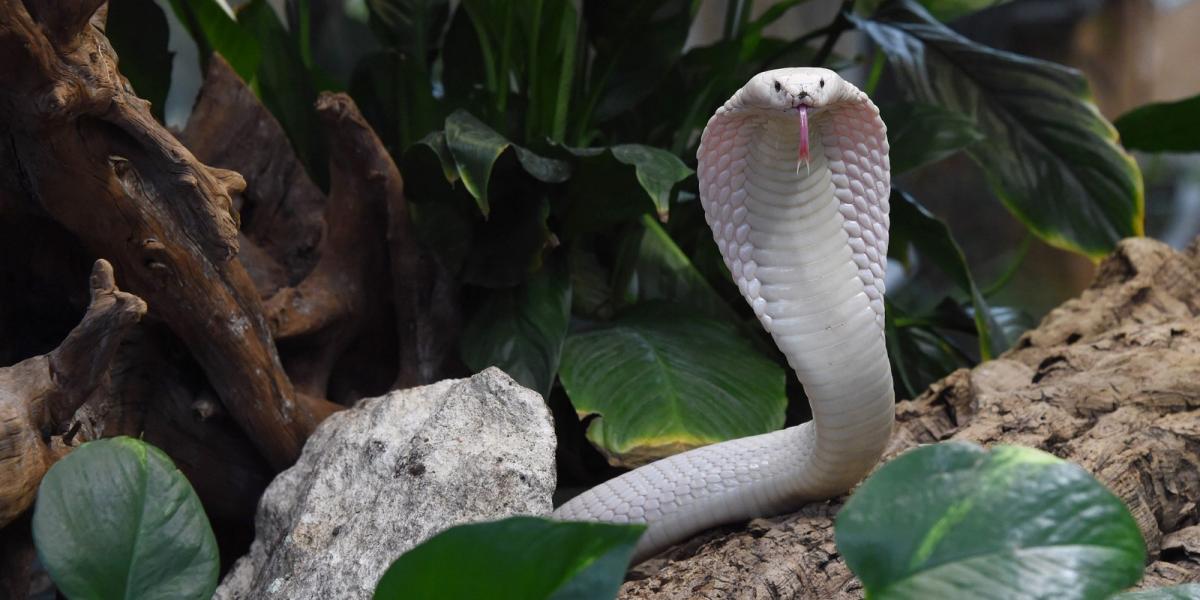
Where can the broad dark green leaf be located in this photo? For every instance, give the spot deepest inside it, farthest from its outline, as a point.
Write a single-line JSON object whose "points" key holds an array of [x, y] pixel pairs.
{"points": [[604, 191], [657, 170], [214, 29], [920, 134], [519, 558], [138, 32], [521, 330], [953, 520], [1187, 591], [476, 148], [1162, 126], [115, 519], [912, 224], [286, 86], [1048, 154], [412, 27], [660, 379], [650, 266], [499, 250]]}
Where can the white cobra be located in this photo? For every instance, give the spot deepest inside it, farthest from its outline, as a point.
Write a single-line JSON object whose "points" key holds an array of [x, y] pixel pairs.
{"points": [[804, 234]]}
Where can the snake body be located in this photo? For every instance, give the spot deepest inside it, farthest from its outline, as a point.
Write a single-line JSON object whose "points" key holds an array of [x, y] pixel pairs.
{"points": [[804, 233]]}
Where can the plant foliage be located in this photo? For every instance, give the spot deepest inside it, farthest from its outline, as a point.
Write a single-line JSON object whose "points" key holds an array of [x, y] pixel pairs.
{"points": [[953, 520], [519, 558], [116, 519]]}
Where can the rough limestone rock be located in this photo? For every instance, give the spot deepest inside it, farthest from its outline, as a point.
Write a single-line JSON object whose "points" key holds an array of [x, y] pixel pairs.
{"points": [[1110, 380], [378, 479]]}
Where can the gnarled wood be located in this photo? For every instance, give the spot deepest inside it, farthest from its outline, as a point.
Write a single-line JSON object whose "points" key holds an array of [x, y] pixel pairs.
{"points": [[89, 153], [39, 395]]}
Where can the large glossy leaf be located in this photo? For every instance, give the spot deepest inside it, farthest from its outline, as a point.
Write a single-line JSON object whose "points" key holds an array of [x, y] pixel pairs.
{"points": [[952, 520], [214, 29], [913, 224], [650, 266], [499, 250], [1162, 126], [115, 519], [1187, 591], [476, 148], [519, 558], [657, 170], [605, 191], [660, 379], [1048, 154], [138, 32], [920, 134], [521, 330]]}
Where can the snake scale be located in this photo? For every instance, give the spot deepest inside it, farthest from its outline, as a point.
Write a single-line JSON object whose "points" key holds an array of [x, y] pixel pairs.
{"points": [[794, 181]]}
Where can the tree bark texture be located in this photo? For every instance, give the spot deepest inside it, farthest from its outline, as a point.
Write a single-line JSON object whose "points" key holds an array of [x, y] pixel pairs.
{"points": [[271, 302], [85, 149], [1110, 380]]}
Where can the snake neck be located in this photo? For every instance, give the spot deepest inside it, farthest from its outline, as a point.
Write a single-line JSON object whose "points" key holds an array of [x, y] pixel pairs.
{"points": [[800, 276]]}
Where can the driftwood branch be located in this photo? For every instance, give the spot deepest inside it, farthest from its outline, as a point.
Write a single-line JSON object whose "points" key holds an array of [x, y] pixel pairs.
{"points": [[91, 155], [40, 395], [1110, 381]]}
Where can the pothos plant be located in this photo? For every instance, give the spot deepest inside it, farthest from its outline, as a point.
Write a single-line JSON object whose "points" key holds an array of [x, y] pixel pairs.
{"points": [[547, 151]]}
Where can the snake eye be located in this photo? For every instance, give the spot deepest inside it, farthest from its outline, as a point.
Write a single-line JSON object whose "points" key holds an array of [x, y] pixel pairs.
{"points": [[822, 83], [777, 86]]}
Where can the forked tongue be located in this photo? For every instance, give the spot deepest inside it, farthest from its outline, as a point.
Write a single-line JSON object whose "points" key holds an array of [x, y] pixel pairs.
{"points": [[803, 137]]}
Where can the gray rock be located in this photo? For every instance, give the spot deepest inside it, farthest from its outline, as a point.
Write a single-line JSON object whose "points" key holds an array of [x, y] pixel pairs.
{"points": [[378, 479]]}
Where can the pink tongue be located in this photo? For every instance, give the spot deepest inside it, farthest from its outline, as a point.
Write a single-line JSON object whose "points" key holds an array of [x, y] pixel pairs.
{"points": [[803, 133]]}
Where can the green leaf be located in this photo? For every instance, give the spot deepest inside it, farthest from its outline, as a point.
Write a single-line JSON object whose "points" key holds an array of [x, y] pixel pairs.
{"points": [[1162, 126], [913, 224], [476, 148], [920, 134], [1187, 591], [214, 29], [652, 267], [657, 170], [519, 558], [521, 330], [1048, 154], [500, 250], [138, 32], [952, 520], [116, 519], [662, 380]]}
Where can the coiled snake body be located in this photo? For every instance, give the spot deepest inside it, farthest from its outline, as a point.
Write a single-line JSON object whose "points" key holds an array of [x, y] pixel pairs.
{"points": [[794, 180]]}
